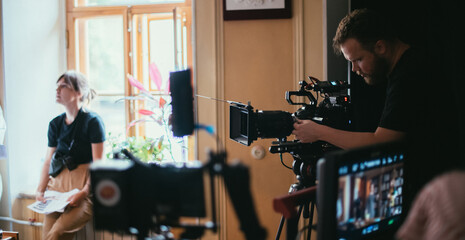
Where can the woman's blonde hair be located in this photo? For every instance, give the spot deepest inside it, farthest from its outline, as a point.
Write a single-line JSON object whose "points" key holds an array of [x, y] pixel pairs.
{"points": [[80, 84]]}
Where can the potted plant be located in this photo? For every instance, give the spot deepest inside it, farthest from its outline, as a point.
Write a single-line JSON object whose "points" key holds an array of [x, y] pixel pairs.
{"points": [[149, 148]]}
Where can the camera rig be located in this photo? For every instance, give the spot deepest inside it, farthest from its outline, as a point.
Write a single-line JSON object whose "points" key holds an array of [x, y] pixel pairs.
{"points": [[247, 125], [142, 199]]}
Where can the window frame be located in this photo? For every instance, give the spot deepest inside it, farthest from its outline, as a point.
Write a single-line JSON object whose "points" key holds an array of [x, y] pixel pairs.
{"points": [[73, 13]]}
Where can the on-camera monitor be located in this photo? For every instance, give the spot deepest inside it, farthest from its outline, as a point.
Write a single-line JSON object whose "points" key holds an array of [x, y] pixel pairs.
{"points": [[182, 102], [360, 192]]}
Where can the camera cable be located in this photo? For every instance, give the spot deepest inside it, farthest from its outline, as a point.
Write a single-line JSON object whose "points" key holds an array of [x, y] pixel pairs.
{"points": [[282, 161]]}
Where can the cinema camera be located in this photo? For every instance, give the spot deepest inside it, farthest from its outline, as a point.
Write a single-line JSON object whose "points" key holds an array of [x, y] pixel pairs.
{"points": [[246, 125], [147, 200]]}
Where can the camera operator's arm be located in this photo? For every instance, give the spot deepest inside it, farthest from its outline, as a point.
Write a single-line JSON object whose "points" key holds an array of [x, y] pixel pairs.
{"points": [[309, 131], [97, 154]]}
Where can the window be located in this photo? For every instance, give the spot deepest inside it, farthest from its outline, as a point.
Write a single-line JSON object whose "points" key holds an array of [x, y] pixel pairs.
{"points": [[109, 41]]}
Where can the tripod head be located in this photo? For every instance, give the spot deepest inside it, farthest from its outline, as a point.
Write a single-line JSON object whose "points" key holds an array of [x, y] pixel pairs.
{"points": [[305, 157]]}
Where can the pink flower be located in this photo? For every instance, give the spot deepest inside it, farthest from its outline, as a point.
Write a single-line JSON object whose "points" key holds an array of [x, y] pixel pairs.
{"points": [[155, 75], [135, 83], [146, 112], [162, 102]]}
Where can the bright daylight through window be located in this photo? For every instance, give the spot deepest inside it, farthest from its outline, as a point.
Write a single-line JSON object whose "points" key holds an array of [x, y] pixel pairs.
{"points": [[127, 53]]}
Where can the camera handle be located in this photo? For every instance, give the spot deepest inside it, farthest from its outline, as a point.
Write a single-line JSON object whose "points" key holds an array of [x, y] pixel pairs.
{"points": [[300, 93]]}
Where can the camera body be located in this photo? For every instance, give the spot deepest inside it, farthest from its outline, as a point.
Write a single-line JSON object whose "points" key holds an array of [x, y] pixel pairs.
{"points": [[131, 194], [247, 125]]}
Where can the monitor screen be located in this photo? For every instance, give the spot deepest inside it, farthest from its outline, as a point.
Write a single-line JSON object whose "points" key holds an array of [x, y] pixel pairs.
{"points": [[360, 192]]}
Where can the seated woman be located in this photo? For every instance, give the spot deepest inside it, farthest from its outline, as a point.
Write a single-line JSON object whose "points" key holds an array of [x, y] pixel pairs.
{"points": [[75, 139]]}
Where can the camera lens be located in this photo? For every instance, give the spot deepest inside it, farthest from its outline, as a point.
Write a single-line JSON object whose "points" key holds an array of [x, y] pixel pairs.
{"points": [[274, 124]]}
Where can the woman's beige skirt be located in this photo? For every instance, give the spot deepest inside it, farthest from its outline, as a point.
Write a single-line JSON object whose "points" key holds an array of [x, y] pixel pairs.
{"points": [[64, 225]]}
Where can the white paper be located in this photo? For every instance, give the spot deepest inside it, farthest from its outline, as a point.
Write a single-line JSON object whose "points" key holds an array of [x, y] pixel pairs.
{"points": [[55, 202]]}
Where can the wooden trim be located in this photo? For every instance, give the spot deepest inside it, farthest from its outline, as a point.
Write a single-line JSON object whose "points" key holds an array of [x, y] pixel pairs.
{"points": [[137, 68], [71, 51], [299, 61], [138, 19], [136, 9], [175, 39], [159, 9], [97, 13], [129, 105], [188, 25], [82, 45], [70, 5], [7, 235], [221, 197], [160, 16]]}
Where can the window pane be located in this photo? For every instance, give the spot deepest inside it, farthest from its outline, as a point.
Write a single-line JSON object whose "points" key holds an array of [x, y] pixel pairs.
{"points": [[161, 45], [101, 52], [89, 3], [112, 113]]}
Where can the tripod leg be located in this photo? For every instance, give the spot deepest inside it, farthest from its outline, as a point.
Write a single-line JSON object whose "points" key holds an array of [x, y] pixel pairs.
{"points": [[292, 228], [292, 225], [280, 228], [310, 220]]}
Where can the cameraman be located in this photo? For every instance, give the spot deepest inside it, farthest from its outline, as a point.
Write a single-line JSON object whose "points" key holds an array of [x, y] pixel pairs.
{"points": [[371, 45]]}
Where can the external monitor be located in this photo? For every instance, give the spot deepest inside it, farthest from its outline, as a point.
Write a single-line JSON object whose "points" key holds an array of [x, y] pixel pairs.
{"points": [[182, 101], [359, 192]]}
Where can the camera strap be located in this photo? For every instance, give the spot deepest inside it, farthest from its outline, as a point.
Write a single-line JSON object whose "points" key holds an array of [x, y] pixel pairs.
{"points": [[77, 128], [59, 160]]}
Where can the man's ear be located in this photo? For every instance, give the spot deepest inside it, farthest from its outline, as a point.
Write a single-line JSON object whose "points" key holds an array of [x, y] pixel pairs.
{"points": [[380, 47]]}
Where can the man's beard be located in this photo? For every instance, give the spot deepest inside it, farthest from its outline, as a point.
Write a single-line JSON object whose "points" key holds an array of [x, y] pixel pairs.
{"points": [[380, 72]]}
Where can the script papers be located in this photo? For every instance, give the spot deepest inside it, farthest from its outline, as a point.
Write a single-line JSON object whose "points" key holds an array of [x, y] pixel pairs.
{"points": [[55, 202]]}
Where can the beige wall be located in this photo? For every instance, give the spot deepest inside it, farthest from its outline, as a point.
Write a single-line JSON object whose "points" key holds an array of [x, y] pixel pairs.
{"points": [[259, 62]]}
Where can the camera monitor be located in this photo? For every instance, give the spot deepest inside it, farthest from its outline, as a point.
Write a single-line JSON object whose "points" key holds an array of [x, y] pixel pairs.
{"points": [[360, 192], [182, 103]]}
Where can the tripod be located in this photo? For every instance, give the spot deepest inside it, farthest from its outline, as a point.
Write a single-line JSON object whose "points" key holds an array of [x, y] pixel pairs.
{"points": [[301, 193], [298, 196]]}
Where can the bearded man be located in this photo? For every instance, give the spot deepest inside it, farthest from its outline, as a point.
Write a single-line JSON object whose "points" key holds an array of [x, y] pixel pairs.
{"points": [[369, 42]]}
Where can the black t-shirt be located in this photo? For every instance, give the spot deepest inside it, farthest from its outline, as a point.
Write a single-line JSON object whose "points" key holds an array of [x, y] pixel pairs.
{"points": [[406, 100], [414, 106], [92, 130]]}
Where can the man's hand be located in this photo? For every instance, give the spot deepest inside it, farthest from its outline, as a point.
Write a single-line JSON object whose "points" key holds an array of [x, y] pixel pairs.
{"points": [[306, 131], [77, 198], [309, 131]]}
